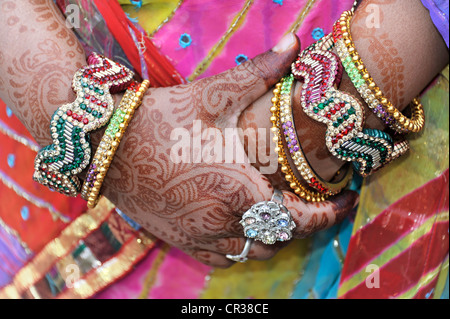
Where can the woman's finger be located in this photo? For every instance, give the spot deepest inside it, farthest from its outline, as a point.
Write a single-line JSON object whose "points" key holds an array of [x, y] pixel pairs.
{"points": [[229, 93], [311, 217]]}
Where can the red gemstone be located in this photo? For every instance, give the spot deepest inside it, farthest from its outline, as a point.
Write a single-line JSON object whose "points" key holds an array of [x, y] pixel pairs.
{"points": [[69, 112], [85, 121]]}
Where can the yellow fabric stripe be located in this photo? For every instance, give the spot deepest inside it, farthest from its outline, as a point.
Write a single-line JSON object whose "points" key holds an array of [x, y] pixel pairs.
{"points": [[299, 21], [442, 280], [150, 278], [425, 280], [392, 252], [237, 22]]}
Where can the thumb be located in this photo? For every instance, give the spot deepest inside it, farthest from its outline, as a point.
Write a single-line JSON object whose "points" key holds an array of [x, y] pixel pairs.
{"points": [[248, 81]]}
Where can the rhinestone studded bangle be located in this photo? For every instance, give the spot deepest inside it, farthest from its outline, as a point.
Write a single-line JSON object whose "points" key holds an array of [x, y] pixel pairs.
{"points": [[345, 138], [367, 87], [57, 164], [295, 149], [109, 144], [299, 187]]}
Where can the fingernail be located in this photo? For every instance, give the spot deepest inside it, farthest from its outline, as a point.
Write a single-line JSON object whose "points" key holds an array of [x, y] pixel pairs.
{"points": [[356, 202], [285, 43]]}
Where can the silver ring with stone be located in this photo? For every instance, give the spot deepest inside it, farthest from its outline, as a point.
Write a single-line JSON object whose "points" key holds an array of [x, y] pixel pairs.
{"points": [[268, 221], [242, 257]]}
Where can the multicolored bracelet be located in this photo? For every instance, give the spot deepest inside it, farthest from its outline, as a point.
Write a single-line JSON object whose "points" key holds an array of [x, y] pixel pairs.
{"points": [[299, 187], [320, 71], [57, 164], [109, 144], [367, 87], [293, 143]]}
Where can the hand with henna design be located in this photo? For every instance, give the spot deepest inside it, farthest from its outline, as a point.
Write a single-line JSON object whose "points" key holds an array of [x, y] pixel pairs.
{"points": [[196, 205]]}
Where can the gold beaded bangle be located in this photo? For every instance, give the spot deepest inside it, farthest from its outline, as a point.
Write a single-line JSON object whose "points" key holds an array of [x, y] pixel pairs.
{"points": [[376, 100], [298, 187], [293, 143], [109, 144]]}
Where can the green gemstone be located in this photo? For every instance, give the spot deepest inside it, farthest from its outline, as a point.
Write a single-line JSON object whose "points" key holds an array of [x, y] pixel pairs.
{"points": [[351, 111], [315, 109], [321, 106]]}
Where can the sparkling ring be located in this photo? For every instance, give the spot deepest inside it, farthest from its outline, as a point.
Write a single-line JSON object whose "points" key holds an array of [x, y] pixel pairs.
{"points": [[268, 221], [242, 257]]}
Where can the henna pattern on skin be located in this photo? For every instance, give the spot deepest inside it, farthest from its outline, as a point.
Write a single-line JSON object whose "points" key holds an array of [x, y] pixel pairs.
{"points": [[36, 80], [381, 50]]}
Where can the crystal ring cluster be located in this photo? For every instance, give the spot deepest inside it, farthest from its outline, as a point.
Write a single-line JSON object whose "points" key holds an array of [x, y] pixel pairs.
{"points": [[268, 221]]}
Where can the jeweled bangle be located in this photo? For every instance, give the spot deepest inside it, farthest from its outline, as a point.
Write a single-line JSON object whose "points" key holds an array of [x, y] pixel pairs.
{"points": [[109, 144], [342, 113], [299, 188], [295, 149], [57, 164], [367, 87]]}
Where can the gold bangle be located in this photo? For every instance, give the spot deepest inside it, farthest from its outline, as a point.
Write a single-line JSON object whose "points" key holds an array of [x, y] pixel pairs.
{"points": [[298, 157], [364, 83], [109, 144], [298, 187]]}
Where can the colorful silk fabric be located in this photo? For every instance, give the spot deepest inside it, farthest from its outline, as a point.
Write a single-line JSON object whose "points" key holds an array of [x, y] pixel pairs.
{"points": [[395, 245]]}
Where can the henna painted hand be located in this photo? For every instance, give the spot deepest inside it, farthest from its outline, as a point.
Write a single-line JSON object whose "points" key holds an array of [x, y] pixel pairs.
{"points": [[178, 175]]}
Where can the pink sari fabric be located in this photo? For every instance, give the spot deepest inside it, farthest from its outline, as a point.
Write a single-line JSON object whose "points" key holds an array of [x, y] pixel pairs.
{"points": [[258, 29]]}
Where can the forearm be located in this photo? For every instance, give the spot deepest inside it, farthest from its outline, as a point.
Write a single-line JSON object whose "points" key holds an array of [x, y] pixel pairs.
{"points": [[39, 56]]}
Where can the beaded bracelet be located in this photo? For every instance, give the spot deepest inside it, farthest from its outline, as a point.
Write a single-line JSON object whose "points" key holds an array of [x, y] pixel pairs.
{"points": [[295, 148], [342, 113], [109, 144], [299, 188], [57, 164], [367, 87]]}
